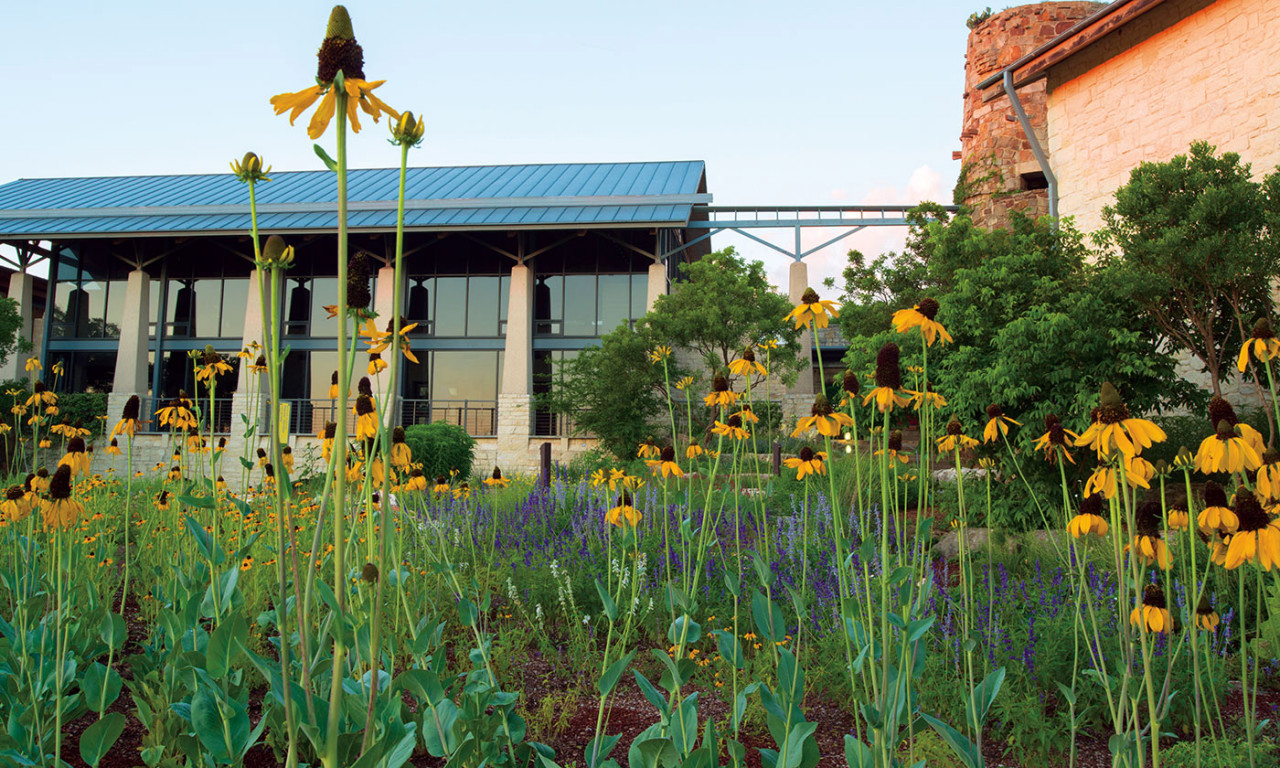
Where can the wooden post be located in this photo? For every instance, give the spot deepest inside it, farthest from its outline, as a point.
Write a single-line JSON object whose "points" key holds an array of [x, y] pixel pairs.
{"points": [[544, 468], [777, 458]]}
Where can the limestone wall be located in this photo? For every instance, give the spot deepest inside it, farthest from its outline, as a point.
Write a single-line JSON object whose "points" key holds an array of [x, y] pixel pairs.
{"points": [[1213, 76], [995, 152]]}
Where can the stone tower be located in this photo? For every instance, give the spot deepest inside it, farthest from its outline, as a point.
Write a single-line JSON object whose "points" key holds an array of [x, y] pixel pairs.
{"points": [[999, 171]]}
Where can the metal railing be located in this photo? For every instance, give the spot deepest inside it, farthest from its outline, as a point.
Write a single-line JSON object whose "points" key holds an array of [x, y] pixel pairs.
{"points": [[151, 406], [548, 424], [308, 417], [478, 417]]}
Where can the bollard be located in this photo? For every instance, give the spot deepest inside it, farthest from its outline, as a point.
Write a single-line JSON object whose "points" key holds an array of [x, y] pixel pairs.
{"points": [[544, 466]]}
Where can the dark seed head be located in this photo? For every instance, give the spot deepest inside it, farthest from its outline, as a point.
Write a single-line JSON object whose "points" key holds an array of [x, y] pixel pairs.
{"points": [[497, 473], [42, 473], [364, 387], [358, 272], [1091, 505], [334, 379], [210, 357], [1252, 516], [994, 411], [1214, 496], [364, 405], [339, 51], [809, 296], [441, 480], [895, 440], [928, 308], [261, 362], [14, 492], [735, 421], [397, 435], [60, 485], [262, 453], [749, 355], [720, 383], [286, 451], [1203, 608], [806, 454], [888, 371], [668, 453], [26, 482], [38, 387], [1219, 411], [850, 382], [75, 445], [330, 430], [821, 406], [624, 500], [1148, 518], [1153, 596], [954, 427], [132, 407], [269, 470], [1270, 456], [1111, 408], [115, 443], [1262, 329], [369, 573]]}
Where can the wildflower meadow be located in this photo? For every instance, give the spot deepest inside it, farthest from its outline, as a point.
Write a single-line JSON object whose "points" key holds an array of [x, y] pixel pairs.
{"points": [[694, 606]]}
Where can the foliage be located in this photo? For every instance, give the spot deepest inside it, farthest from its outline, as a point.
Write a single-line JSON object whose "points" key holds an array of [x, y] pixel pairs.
{"points": [[977, 17], [1192, 248], [10, 324], [1037, 328], [441, 448], [613, 391], [83, 409], [722, 304]]}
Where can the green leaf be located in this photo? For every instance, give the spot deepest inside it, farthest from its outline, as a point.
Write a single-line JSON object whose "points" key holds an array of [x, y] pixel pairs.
{"points": [[610, 608], [684, 629], [961, 746], [857, 754], [467, 612], [114, 632], [99, 738], [611, 676], [983, 696], [225, 645], [796, 740], [768, 617], [101, 686], [329, 162]]}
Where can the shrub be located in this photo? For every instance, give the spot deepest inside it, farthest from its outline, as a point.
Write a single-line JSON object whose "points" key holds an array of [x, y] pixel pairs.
{"points": [[83, 409], [441, 447]]}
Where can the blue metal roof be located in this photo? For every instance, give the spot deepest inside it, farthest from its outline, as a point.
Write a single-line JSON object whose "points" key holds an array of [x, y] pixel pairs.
{"points": [[471, 197]]}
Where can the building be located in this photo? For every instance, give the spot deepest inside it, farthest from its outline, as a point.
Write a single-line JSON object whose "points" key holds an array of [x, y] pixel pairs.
{"points": [[509, 269], [1131, 81]]}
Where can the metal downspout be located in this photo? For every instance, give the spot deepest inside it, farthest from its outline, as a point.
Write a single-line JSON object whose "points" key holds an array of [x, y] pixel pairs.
{"points": [[1036, 149]]}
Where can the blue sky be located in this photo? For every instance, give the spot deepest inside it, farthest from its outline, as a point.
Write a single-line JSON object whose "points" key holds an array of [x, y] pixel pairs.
{"points": [[799, 103]]}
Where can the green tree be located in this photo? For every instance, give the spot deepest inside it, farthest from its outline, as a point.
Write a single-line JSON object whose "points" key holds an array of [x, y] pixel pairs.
{"points": [[1192, 246], [722, 305], [10, 323]]}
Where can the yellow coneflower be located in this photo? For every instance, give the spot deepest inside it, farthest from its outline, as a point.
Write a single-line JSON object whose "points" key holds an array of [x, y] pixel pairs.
{"points": [[16, 506], [894, 447], [1152, 615], [1056, 439], [1178, 518], [1216, 515], [824, 419], [175, 472], [268, 475], [997, 424], [327, 436], [1137, 473], [442, 485], [221, 447], [927, 395], [376, 364], [246, 563], [1088, 520], [177, 414], [39, 482], [647, 449], [1261, 345], [624, 512], [1268, 482], [221, 483], [128, 424], [746, 365], [259, 365], [162, 501], [338, 54], [1113, 429], [694, 450], [888, 380], [1257, 540], [378, 341], [666, 463], [922, 316], [747, 415], [417, 481], [63, 511], [286, 459], [366, 418], [333, 386], [262, 457], [807, 463], [659, 354], [955, 438], [731, 429], [1206, 617], [41, 397], [401, 453], [496, 480], [812, 308], [212, 365], [1148, 542], [721, 396], [1226, 451], [76, 457], [463, 491]]}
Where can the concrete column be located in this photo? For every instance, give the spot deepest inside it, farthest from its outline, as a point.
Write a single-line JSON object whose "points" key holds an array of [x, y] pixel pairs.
{"points": [[515, 398], [384, 298], [20, 291], [657, 284], [804, 384], [135, 337], [254, 331]]}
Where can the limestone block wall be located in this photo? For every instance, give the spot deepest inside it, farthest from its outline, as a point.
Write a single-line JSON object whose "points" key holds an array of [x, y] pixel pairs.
{"points": [[1211, 76], [994, 150]]}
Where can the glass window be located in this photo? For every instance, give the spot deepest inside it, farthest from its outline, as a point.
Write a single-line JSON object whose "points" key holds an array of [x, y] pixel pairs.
{"points": [[483, 298], [235, 298], [153, 313], [117, 297], [63, 321], [580, 305], [417, 303], [180, 308], [548, 304], [207, 308], [461, 375], [615, 301], [297, 311], [324, 292], [639, 295], [451, 305]]}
